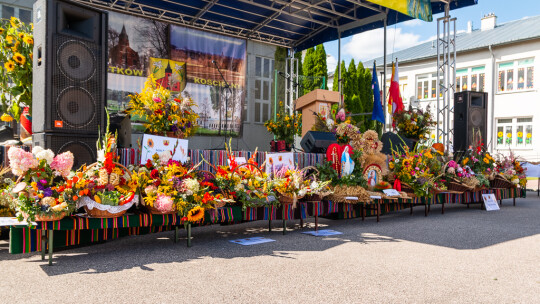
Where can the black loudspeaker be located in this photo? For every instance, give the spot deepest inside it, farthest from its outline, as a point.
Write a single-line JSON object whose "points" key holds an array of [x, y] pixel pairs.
{"points": [[82, 147], [470, 117], [392, 141], [317, 142], [70, 68]]}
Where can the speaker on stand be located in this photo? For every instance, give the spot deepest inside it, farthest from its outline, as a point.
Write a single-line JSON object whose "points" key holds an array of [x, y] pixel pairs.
{"points": [[470, 119], [69, 78]]}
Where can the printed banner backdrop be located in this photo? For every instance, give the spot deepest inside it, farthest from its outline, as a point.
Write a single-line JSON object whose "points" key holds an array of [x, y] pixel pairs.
{"points": [[419, 9], [220, 109], [139, 47], [132, 41]]}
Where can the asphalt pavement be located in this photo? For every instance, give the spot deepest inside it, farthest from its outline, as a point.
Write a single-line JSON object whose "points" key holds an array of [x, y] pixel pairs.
{"points": [[462, 256]]}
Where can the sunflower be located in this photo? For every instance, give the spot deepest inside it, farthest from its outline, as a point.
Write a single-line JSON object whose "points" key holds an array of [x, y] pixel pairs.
{"points": [[9, 65], [14, 22], [1, 30], [28, 39], [19, 58], [21, 35], [196, 214], [10, 39]]}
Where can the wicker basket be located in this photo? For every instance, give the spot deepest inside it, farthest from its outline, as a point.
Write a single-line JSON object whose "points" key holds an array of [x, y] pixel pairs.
{"points": [[47, 218], [454, 185], [314, 197], [104, 213], [501, 182]]}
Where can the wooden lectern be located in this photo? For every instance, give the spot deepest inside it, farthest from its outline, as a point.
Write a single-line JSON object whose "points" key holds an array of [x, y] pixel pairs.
{"points": [[316, 101]]}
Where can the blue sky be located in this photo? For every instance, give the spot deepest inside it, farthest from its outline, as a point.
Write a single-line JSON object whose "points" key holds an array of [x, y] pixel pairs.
{"points": [[369, 45]]}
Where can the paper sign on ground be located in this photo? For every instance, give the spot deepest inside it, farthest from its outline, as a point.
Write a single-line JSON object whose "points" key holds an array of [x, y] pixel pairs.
{"points": [[252, 241], [490, 201], [276, 161], [391, 192], [324, 232], [156, 144]]}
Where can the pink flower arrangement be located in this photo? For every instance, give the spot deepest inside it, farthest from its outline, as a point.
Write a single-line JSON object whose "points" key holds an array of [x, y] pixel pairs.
{"points": [[21, 161], [62, 164], [164, 203], [340, 116]]}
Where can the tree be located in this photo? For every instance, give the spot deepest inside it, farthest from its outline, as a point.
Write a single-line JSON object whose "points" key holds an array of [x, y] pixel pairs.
{"points": [[320, 68], [308, 68]]}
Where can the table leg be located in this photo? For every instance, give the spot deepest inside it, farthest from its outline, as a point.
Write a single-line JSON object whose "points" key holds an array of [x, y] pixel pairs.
{"points": [[514, 201], [411, 208], [363, 210], [51, 233], [378, 210], [301, 222], [176, 234], [316, 222], [189, 234], [43, 244], [284, 221], [443, 207], [269, 225], [425, 209]]}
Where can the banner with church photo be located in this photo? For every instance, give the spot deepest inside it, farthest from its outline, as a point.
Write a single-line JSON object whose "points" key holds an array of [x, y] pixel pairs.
{"points": [[169, 74], [219, 107], [132, 42]]}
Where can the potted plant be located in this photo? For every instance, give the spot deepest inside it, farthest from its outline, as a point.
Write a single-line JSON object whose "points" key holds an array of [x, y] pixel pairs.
{"points": [[284, 127], [163, 113]]}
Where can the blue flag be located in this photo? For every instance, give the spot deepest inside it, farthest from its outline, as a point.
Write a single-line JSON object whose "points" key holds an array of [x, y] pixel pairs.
{"points": [[378, 113]]}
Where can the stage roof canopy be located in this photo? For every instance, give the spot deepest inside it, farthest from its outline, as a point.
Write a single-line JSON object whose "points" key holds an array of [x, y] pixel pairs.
{"points": [[297, 24]]}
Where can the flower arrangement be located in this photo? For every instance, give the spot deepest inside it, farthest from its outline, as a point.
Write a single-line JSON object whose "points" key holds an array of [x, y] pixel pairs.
{"points": [[345, 131], [164, 114], [285, 126], [169, 186], [42, 191], [338, 123], [356, 178], [247, 184], [17, 44], [105, 182], [290, 184], [418, 169], [479, 160], [510, 168], [414, 123]]}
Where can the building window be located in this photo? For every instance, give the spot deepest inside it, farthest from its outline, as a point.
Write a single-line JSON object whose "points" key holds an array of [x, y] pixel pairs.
{"points": [[263, 89], [9, 11], [516, 75], [514, 132], [471, 79], [426, 86]]}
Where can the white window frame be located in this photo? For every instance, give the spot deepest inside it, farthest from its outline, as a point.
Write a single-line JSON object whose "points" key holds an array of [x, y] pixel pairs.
{"points": [[514, 123], [515, 66], [469, 73], [16, 11], [430, 78], [264, 78]]}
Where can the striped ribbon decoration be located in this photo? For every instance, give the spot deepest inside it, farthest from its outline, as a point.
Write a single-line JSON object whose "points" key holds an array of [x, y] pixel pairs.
{"points": [[303, 210], [288, 212], [333, 207], [270, 213], [250, 214]]}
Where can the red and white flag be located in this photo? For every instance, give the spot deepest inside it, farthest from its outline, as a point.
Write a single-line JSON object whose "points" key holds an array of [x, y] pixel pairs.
{"points": [[395, 103]]}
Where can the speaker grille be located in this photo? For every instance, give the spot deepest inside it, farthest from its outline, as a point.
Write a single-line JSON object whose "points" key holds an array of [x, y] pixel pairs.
{"points": [[81, 150], [476, 117], [76, 107], [76, 60], [77, 75]]}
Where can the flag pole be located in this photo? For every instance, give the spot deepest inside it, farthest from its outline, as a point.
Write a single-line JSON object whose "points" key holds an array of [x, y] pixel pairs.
{"points": [[384, 75]]}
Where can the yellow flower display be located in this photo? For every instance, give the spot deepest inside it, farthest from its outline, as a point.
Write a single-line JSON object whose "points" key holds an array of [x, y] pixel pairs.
{"points": [[500, 134], [162, 111], [520, 134], [285, 126], [28, 39]]}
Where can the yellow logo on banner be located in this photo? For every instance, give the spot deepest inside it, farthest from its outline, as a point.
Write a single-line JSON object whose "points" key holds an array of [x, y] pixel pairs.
{"points": [[169, 73]]}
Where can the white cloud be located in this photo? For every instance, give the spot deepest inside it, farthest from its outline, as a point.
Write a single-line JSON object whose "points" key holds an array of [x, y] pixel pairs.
{"points": [[412, 23], [369, 45], [331, 63]]}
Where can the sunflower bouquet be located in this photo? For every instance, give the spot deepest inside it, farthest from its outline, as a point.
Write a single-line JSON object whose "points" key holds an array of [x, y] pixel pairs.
{"points": [[285, 126], [420, 170], [42, 192], [414, 123], [17, 44], [163, 113]]}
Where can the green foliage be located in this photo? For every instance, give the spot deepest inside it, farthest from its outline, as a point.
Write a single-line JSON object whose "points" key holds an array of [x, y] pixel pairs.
{"points": [[315, 69]]}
